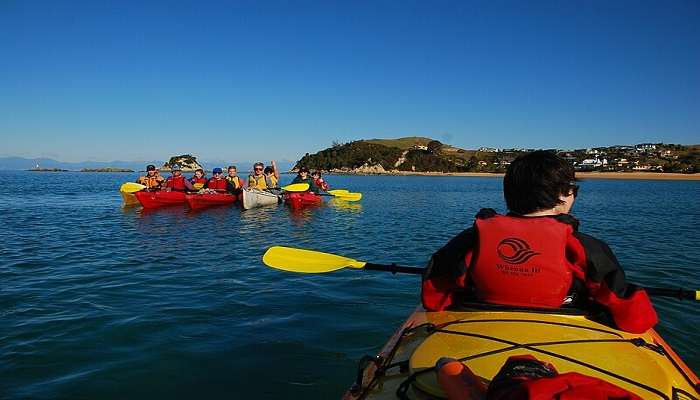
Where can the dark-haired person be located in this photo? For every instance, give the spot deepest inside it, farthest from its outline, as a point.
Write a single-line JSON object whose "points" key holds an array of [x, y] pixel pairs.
{"points": [[534, 256], [199, 179], [235, 182], [303, 177], [318, 180], [177, 182], [152, 180]]}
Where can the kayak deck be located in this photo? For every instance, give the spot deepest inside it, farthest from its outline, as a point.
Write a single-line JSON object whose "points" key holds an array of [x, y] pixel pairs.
{"points": [[160, 198], [203, 200], [641, 363]]}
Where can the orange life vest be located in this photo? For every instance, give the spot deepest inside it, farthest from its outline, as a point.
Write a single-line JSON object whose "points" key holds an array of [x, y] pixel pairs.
{"points": [[151, 181]]}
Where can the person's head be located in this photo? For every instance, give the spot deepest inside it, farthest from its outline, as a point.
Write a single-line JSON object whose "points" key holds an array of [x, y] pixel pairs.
{"points": [[217, 172], [232, 170], [316, 174], [269, 171], [176, 170], [258, 168], [539, 181], [303, 172], [199, 173], [151, 169]]}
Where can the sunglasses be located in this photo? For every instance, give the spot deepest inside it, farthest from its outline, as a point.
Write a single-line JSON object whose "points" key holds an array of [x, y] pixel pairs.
{"points": [[258, 169]]}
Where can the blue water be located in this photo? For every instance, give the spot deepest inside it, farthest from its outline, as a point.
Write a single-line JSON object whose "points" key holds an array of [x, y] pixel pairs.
{"points": [[99, 301]]}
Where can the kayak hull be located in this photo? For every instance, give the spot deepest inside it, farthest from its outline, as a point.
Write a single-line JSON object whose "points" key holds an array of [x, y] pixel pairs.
{"points": [[258, 198], [129, 199], [303, 199], [200, 200], [159, 199], [487, 338]]}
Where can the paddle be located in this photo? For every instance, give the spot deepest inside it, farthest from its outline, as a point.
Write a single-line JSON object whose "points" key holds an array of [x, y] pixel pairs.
{"points": [[315, 262], [296, 187], [349, 196], [337, 192], [131, 187]]}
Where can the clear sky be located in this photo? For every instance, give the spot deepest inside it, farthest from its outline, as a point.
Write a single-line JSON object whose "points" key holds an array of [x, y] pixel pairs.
{"points": [[245, 80]]}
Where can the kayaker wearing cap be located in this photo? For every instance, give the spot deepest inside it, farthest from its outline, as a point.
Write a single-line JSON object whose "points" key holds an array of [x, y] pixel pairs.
{"points": [[199, 180], [177, 182], [261, 179], [534, 256], [235, 181], [218, 182], [303, 177], [152, 180]]}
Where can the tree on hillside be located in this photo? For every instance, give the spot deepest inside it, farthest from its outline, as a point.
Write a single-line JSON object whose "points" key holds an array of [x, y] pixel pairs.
{"points": [[434, 146]]}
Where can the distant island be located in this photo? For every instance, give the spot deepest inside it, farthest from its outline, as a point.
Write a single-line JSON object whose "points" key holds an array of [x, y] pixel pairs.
{"points": [[187, 162], [106, 170], [48, 170], [422, 155]]}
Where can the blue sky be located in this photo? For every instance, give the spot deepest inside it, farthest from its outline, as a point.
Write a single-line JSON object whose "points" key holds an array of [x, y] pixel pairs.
{"points": [[246, 80]]}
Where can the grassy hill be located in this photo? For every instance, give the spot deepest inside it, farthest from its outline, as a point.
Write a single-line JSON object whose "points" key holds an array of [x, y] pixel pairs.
{"points": [[404, 143]]}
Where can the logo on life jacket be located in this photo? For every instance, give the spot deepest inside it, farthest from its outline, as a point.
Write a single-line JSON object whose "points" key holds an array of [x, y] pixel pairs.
{"points": [[515, 251]]}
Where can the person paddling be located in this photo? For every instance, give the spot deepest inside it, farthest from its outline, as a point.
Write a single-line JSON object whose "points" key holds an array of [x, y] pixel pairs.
{"points": [[235, 181], [199, 179], [177, 182], [303, 177], [152, 180], [218, 183], [534, 256]]}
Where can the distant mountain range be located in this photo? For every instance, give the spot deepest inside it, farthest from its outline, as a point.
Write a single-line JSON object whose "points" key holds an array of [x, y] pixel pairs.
{"points": [[20, 163]]}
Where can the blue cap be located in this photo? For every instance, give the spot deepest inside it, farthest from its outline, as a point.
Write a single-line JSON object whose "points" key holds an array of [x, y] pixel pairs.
{"points": [[175, 167], [217, 170]]}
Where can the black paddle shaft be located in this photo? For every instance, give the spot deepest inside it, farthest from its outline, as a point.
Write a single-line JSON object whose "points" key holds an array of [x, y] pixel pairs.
{"points": [[661, 292], [393, 268]]}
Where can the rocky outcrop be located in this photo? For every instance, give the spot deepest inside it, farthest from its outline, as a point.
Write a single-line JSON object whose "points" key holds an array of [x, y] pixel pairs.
{"points": [[187, 162]]}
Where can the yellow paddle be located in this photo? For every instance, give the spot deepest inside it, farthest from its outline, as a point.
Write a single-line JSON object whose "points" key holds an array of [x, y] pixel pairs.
{"points": [[337, 192], [315, 262], [348, 196], [131, 187], [198, 186], [296, 187]]}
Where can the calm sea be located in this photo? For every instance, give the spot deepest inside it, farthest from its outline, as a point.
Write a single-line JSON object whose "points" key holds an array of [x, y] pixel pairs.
{"points": [[102, 302]]}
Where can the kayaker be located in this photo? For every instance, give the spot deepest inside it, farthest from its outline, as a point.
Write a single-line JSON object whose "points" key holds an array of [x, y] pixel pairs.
{"points": [[199, 180], [177, 182], [218, 183], [316, 176], [303, 177], [534, 256], [257, 179], [235, 181], [152, 180]]}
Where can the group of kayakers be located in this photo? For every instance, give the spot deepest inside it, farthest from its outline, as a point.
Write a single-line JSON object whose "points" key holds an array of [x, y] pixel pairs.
{"points": [[262, 178]]}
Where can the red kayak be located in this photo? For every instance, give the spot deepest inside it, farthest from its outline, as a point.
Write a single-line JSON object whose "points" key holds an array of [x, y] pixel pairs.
{"points": [[198, 201], [160, 199], [302, 199]]}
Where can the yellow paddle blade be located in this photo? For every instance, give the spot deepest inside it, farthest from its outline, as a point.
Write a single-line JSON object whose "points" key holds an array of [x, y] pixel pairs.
{"points": [[131, 187], [337, 192], [306, 261], [198, 185], [697, 295], [296, 187], [350, 196]]}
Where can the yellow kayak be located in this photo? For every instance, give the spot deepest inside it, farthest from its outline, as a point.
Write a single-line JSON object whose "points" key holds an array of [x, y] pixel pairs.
{"points": [[129, 198], [484, 339]]}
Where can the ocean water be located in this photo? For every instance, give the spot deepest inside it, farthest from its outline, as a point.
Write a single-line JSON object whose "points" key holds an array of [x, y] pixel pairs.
{"points": [[101, 301]]}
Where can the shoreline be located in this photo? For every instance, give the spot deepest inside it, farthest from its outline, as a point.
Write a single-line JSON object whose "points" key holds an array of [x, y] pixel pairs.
{"points": [[637, 175]]}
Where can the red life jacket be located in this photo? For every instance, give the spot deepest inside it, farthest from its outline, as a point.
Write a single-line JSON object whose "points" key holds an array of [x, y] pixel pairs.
{"points": [[217, 184], [321, 184], [176, 183], [521, 261], [196, 180]]}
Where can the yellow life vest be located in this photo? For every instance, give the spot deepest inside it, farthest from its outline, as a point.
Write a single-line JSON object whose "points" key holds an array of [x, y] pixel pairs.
{"points": [[257, 182], [235, 181]]}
